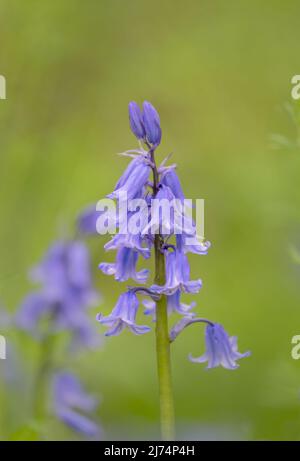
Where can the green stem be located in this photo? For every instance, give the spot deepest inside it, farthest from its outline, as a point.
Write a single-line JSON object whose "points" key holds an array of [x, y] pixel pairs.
{"points": [[163, 357], [41, 381]]}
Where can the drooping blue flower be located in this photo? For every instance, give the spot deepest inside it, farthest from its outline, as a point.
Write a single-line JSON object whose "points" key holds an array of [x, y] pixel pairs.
{"points": [[177, 275], [125, 267], [123, 316], [168, 215], [151, 123], [135, 242], [133, 180], [174, 305], [220, 349], [192, 244], [65, 295], [171, 180], [136, 120], [73, 406]]}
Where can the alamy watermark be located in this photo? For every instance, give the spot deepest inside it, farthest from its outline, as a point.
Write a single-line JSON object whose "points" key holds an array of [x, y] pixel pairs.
{"points": [[295, 92], [295, 351], [2, 348], [2, 87], [152, 216]]}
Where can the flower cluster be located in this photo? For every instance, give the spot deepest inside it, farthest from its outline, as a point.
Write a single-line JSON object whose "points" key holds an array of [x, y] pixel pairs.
{"points": [[174, 235], [65, 294], [61, 304]]}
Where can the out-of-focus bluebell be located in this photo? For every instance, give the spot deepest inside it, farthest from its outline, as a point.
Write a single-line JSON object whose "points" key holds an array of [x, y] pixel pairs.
{"points": [[65, 294], [73, 406], [87, 220]]}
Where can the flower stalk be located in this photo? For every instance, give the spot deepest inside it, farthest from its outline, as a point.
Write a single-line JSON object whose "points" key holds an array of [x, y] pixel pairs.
{"points": [[163, 355]]}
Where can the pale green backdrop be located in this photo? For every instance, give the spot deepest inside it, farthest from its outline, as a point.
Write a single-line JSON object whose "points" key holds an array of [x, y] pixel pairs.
{"points": [[219, 73]]}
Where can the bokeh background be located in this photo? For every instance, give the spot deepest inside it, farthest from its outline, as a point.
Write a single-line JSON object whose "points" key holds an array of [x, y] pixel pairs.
{"points": [[219, 73]]}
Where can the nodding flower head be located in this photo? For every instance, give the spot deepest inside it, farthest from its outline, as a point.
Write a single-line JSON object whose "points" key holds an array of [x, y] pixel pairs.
{"points": [[125, 267], [171, 180], [177, 275], [136, 120], [133, 180], [151, 123], [123, 316], [221, 349]]}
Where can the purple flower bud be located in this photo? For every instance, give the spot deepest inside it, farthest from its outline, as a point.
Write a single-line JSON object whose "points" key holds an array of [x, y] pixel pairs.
{"points": [[123, 316], [151, 123], [136, 120], [125, 267], [70, 401], [220, 349]]}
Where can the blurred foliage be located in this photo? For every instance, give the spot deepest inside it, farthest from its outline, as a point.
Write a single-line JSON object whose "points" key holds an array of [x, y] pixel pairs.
{"points": [[219, 74]]}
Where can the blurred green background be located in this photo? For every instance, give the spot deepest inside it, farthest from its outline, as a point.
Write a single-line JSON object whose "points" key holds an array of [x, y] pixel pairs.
{"points": [[219, 73]]}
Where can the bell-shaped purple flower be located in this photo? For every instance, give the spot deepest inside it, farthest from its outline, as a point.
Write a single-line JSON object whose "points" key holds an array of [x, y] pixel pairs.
{"points": [[174, 305], [177, 275], [168, 215], [192, 244], [151, 123], [136, 242], [125, 267], [72, 405], [171, 180], [220, 349], [133, 180], [123, 316], [136, 120]]}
